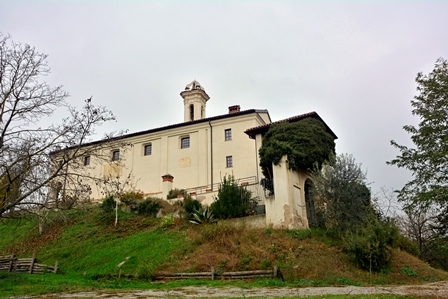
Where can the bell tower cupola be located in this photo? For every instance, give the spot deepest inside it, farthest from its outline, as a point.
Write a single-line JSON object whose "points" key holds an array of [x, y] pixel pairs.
{"points": [[195, 100]]}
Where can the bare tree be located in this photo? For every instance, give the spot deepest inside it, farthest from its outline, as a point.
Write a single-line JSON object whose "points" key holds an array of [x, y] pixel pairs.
{"points": [[415, 222], [36, 161], [386, 204], [116, 187]]}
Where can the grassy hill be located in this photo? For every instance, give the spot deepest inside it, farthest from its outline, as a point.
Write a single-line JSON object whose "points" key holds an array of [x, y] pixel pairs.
{"points": [[88, 247]]}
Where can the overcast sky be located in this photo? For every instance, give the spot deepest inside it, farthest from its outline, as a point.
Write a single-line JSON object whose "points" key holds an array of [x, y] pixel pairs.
{"points": [[353, 62]]}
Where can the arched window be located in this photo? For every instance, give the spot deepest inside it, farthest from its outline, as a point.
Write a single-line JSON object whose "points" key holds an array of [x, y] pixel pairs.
{"points": [[191, 112], [202, 112]]}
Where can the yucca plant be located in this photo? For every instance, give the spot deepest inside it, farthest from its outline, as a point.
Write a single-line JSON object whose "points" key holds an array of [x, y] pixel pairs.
{"points": [[201, 216]]}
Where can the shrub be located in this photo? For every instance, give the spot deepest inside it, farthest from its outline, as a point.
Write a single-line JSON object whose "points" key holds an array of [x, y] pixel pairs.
{"points": [[340, 195], [108, 205], [371, 246], [107, 208], [167, 221], [233, 200], [185, 206], [131, 199], [149, 207], [173, 193], [191, 206], [408, 245]]}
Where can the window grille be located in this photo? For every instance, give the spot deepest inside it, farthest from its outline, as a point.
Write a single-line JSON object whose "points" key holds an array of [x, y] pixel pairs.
{"points": [[229, 161], [115, 155], [185, 142], [228, 134], [148, 149]]}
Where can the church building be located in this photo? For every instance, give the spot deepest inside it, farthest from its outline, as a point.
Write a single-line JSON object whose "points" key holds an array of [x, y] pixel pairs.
{"points": [[197, 153]]}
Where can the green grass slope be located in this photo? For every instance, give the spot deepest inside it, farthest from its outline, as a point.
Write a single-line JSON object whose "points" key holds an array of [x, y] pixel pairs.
{"points": [[88, 248]]}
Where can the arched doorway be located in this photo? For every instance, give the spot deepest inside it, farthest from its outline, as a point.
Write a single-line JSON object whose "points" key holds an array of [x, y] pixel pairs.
{"points": [[309, 202]]}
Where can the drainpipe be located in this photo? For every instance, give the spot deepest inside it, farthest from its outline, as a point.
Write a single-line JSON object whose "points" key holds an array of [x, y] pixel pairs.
{"points": [[256, 159], [211, 155]]}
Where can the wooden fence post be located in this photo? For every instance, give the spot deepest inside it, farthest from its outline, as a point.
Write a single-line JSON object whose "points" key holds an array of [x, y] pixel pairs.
{"points": [[213, 273], [11, 262], [274, 272], [56, 267], [32, 262]]}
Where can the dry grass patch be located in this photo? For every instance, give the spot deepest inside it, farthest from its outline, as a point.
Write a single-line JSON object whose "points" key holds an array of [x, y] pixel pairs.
{"points": [[301, 256], [401, 261]]}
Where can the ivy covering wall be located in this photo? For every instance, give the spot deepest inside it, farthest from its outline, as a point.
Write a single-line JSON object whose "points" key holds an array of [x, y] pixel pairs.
{"points": [[305, 142]]}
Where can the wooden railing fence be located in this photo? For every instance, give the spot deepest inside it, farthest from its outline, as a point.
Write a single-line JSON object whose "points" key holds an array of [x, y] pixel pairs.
{"points": [[13, 264], [274, 273]]}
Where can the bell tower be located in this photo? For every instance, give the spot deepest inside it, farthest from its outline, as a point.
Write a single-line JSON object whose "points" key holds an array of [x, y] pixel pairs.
{"points": [[195, 100]]}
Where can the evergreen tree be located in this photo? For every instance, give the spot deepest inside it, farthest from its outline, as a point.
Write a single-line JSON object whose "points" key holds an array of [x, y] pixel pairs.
{"points": [[232, 200], [428, 159]]}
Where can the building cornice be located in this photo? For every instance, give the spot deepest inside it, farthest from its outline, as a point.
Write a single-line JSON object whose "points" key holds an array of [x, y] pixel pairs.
{"points": [[170, 127], [188, 93]]}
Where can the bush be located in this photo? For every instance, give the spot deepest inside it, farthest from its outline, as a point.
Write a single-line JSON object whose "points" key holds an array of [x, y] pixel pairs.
{"points": [[108, 205], [233, 200], [149, 207], [408, 245], [167, 221], [191, 206], [187, 204], [340, 195], [435, 252], [173, 193], [371, 246], [131, 200]]}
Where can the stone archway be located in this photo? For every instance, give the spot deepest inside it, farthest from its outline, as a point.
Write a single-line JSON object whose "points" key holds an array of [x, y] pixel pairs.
{"points": [[309, 202]]}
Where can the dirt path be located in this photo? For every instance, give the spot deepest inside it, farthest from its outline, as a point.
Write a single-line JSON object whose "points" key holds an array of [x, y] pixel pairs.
{"points": [[435, 290]]}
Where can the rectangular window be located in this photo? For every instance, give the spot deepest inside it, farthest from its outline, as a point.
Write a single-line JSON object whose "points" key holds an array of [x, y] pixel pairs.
{"points": [[185, 142], [229, 161], [228, 134], [86, 160], [115, 155], [148, 149]]}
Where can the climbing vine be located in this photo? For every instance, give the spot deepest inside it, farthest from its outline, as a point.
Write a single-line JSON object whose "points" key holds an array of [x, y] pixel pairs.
{"points": [[305, 142]]}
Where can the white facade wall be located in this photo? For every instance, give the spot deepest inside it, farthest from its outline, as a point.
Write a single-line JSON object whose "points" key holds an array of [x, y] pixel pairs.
{"points": [[287, 208], [202, 164]]}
